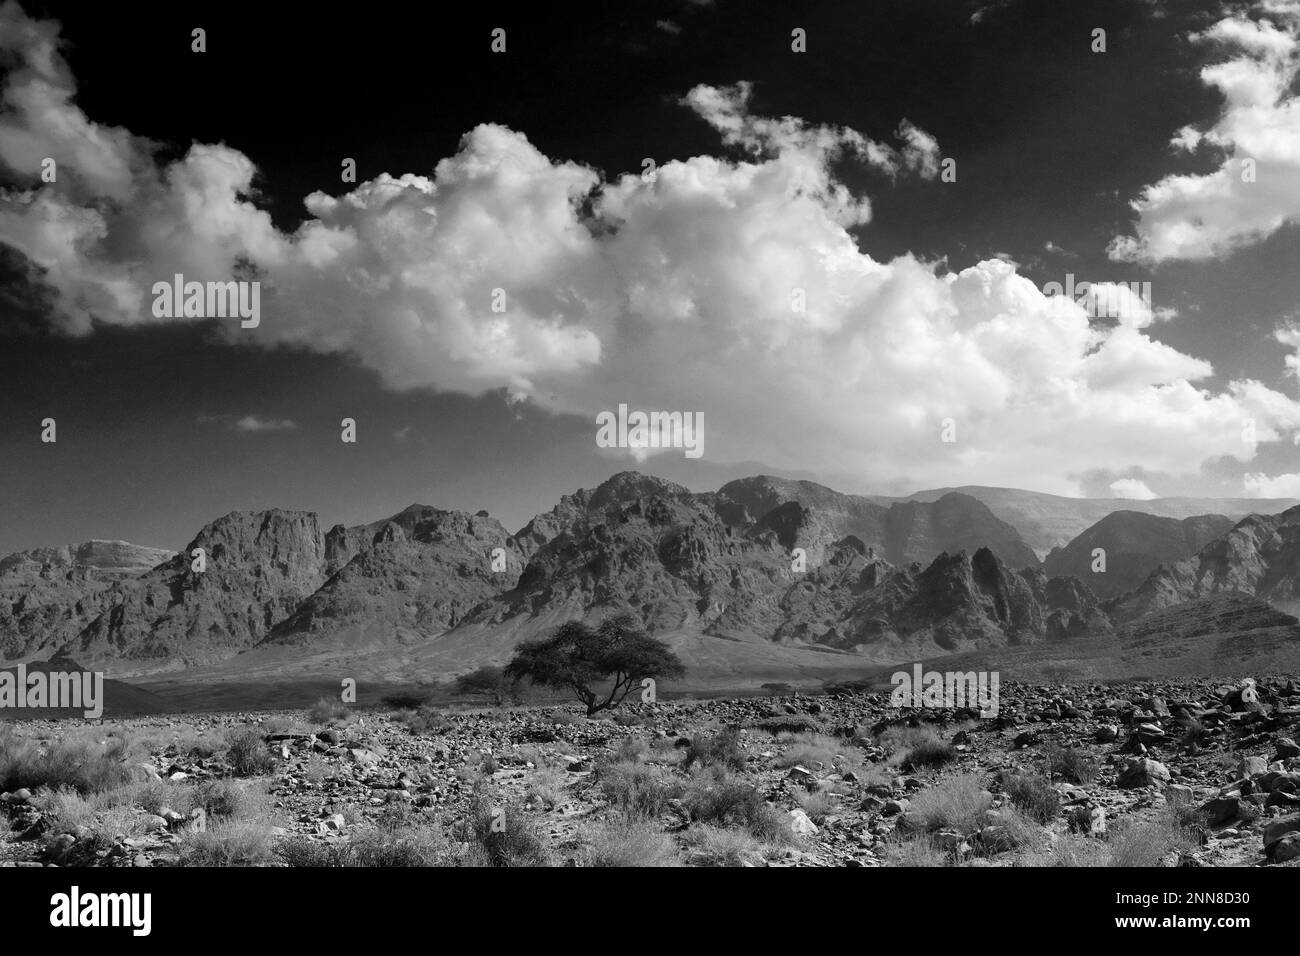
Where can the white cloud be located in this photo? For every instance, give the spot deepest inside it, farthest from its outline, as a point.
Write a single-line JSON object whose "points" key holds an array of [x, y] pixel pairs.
{"points": [[255, 423], [677, 294], [1260, 485], [1199, 216], [1132, 488]]}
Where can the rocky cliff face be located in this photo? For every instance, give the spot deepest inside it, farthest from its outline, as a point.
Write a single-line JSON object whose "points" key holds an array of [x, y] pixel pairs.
{"points": [[260, 566], [1135, 544], [900, 533], [682, 561], [419, 574], [1259, 557], [48, 595]]}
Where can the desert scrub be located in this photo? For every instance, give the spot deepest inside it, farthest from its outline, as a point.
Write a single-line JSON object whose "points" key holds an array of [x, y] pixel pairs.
{"points": [[717, 750], [808, 750], [426, 720], [1070, 764], [247, 752], [715, 797], [818, 806], [545, 788], [912, 748], [80, 764], [624, 843], [1033, 794], [636, 789], [228, 843], [715, 846], [500, 835], [960, 803], [327, 710]]}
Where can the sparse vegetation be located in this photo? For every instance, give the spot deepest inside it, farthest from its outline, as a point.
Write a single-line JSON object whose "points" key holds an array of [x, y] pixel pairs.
{"points": [[627, 843]]}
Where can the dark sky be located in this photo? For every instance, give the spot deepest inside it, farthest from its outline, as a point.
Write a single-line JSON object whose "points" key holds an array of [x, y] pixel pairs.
{"points": [[1054, 141]]}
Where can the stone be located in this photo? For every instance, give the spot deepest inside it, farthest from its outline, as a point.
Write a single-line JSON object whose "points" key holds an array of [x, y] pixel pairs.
{"points": [[1143, 773], [1286, 747], [801, 824], [1287, 848], [1279, 828]]}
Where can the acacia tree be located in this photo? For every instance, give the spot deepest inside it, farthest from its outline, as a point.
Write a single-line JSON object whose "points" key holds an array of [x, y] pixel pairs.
{"points": [[579, 657]]}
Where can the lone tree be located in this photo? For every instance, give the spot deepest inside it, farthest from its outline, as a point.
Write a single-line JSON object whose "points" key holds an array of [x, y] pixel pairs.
{"points": [[577, 656]]}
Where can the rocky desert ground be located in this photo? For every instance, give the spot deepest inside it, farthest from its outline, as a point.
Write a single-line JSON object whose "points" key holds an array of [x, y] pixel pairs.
{"points": [[1186, 772]]}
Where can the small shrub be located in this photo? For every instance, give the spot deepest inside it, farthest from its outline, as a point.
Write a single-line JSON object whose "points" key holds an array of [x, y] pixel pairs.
{"points": [[327, 710], [959, 803], [714, 797], [227, 843], [809, 750], [1032, 794], [715, 846], [818, 806], [627, 843], [501, 836], [247, 753], [401, 846], [719, 750], [227, 798], [426, 720], [545, 788], [913, 850], [1070, 764], [933, 753], [631, 750], [635, 788]]}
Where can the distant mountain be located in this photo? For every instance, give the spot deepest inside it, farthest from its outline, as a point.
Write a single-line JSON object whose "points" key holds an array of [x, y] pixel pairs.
{"points": [[1051, 521], [683, 562], [47, 595], [1259, 557], [1135, 544], [762, 576], [421, 571], [901, 533], [260, 566]]}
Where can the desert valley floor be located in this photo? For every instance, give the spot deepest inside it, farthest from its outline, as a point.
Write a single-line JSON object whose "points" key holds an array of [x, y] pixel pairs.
{"points": [[1180, 772]]}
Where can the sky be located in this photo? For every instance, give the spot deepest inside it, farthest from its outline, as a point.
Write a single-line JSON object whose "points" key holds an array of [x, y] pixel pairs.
{"points": [[831, 230]]}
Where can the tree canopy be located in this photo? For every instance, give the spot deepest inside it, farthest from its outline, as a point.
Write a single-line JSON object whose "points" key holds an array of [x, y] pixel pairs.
{"points": [[582, 658]]}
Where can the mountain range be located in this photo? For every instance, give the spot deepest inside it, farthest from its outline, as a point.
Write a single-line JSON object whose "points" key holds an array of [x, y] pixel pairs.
{"points": [[764, 577]]}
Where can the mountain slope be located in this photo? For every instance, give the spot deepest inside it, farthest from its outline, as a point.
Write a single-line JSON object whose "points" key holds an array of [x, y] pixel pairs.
{"points": [[423, 570], [260, 566], [901, 533], [1259, 557], [47, 595], [1135, 544], [1051, 521]]}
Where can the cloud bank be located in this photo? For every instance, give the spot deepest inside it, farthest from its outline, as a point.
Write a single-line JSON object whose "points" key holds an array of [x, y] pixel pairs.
{"points": [[1254, 188], [728, 285]]}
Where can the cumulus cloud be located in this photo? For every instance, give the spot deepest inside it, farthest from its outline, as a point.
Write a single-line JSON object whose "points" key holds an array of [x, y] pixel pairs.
{"points": [[1259, 485], [1200, 216], [1132, 488], [727, 285]]}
